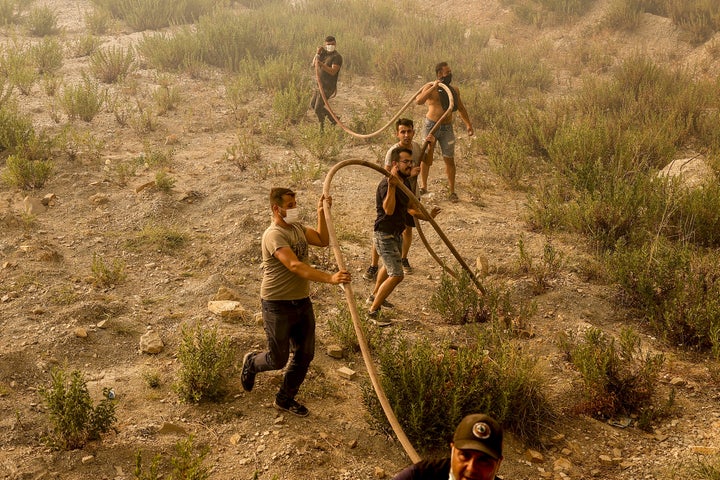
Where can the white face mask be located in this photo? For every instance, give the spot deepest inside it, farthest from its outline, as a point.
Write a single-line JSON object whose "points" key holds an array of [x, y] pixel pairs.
{"points": [[292, 215], [329, 48]]}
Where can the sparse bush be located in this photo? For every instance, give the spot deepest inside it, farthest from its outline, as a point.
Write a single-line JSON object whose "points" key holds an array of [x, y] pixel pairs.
{"points": [[161, 238], [164, 182], [143, 15], [27, 174], [153, 473], [84, 100], [84, 45], [206, 361], [9, 12], [47, 55], [42, 21], [16, 64], [144, 121], [325, 145], [166, 98], [152, 379], [624, 15], [431, 387], [619, 377], [112, 64], [244, 153], [705, 469], [290, 104], [16, 130], [97, 21], [169, 52], [187, 463], [75, 420], [107, 275], [543, 272], [507, 156]]}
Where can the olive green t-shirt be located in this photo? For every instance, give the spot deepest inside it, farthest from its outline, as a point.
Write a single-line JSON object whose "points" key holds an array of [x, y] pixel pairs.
{"points": [[279, 283]]}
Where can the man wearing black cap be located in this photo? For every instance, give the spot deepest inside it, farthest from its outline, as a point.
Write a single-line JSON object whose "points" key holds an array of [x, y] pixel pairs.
{"points": [[475, 454], [329, 61]]}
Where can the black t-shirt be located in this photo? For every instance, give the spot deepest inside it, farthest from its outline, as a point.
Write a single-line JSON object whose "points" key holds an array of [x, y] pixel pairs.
{"points": [[427, 470], [329, 82], [393, 224]]}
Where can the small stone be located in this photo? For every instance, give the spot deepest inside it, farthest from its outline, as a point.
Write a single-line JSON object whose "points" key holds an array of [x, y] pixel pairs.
{"points": [[151, 343], [380, 472], [353, 443], [227, 309], [335, 351], [678, 382], [534, 456], [235, 438], [171, 429], [346, 373], [49, 199], [80, 332], [87, 459], [705, 450]]}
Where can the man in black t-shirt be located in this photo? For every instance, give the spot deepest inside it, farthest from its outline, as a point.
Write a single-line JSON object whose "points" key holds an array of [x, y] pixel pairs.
{"points": [[475, 454], [393, 207], [329, 62]]}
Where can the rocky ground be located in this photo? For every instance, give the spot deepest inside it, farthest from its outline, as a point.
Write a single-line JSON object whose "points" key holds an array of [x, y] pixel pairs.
{"points": [[51, 313]]}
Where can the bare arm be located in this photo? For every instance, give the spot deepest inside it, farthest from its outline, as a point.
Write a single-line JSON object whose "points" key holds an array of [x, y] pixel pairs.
{"points": [[426, 92], [321, 236], [463, 113], [303, 270], [389, 201], [417, 213]]}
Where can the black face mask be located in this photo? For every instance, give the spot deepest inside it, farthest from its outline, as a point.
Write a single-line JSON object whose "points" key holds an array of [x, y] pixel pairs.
{"points": [[447, 79]]}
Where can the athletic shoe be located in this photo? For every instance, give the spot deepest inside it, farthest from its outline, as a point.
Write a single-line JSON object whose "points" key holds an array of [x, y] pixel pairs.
{"points": [[371, 273], [422, 191], [292, 406], [407, 269], [385, 303], [247, 377], [453, 197]]}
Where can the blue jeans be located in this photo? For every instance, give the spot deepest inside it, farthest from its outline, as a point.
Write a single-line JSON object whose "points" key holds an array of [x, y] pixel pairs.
{"points": [[444, 135], [389, 247], [290, 327]]}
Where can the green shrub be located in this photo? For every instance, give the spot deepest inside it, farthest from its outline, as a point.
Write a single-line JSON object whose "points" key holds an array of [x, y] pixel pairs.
{"points": [[84, 45], [169, 52], [97, 21], [143, 15], [206, 362], [47, 55], [16, 64], [27, 174], [153, 473], [623, 15], [244, 153], [42, 21], [507, 156], [543, 272], [75, 420], [325, 145], [187, 463], [166, 98], [431, 387], [164, 182], [290, 104], [618, 376], [16, 130], [112, 64], [9, 11], [84, 100], [105, 275], [161, 238], [705, 468]]}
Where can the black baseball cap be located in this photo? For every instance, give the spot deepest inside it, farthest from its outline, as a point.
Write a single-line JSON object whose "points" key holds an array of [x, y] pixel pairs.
{"points": [[479, 432]]}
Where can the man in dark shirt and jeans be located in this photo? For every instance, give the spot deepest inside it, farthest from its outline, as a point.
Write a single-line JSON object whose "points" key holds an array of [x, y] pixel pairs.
{"points": [[392, 207], [475, 453]]}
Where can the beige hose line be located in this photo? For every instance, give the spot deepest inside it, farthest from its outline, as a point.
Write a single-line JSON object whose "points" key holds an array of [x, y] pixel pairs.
{"points": [[349, 295]]}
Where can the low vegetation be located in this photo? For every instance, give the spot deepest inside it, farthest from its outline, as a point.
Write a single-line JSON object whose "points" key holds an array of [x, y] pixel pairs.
{"points": [[206, 360]]}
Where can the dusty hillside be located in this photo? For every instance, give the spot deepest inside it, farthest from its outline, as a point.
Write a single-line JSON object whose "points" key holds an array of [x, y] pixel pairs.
{"points": [[51, 314]]}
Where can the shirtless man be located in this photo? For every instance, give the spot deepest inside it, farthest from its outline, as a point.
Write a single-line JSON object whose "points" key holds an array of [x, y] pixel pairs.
{"points": [[437, 102]]}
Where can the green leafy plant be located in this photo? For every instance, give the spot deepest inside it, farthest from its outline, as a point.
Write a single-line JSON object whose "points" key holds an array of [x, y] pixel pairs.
{"points": [[544, 271], [47, 55], [85, 45], [107, 275], [164, 182], [42, 21], [74, 418], [432, 386], [112, 64], [84, 100], [97, 21], [325, 145], [166, 98], [161, 238], [27, 174], [206, 361], [619, 377], [187, 462]]}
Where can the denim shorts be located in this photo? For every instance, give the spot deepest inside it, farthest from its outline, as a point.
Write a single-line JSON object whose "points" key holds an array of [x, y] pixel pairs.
{"points": [[389, 247], [444, 135]]}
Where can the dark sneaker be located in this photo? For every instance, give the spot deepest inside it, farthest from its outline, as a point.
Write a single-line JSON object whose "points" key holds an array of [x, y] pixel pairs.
{"points": [[453, 198], [377, 320], [385, 303], [292, 406], [371, 273], [247, 377], [422, 191], [407, 269]]}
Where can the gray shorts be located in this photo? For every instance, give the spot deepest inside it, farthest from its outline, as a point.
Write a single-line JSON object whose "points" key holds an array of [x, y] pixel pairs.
{"points": [[389, 247], [444, 135]]}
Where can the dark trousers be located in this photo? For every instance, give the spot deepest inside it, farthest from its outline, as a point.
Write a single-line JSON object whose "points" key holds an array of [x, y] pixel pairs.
{"points": [[290, 327], [318, 106]]}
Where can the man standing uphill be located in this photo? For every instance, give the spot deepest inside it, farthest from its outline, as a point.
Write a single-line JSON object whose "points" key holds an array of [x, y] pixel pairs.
{"points": [[286, 308], [393, 207], [329, 62], [437, 102], [475, 454]]}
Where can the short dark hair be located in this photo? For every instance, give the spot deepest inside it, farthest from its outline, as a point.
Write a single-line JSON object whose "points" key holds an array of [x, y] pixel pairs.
{"points": [[277, 194], [329, 38], [440, 66], [405, 122], [395, 153]]}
